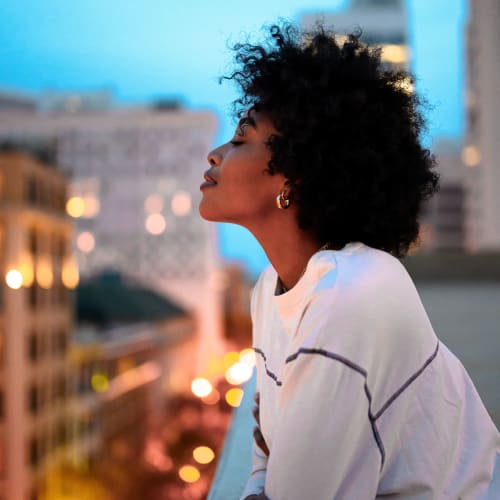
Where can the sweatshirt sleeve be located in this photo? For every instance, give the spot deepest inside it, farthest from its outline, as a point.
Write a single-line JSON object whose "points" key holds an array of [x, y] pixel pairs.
{"points": [[324, 445], [257, 479]]}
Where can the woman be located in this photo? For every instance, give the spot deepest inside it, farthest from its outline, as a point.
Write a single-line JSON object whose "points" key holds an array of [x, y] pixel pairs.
{"points": [[358, 398]]}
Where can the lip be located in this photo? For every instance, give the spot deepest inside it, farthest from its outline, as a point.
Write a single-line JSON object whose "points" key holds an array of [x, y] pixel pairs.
{"points": [[209, 181]]}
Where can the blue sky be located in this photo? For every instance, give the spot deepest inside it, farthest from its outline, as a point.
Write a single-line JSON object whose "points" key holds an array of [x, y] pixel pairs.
{"points": [[153, 48]]}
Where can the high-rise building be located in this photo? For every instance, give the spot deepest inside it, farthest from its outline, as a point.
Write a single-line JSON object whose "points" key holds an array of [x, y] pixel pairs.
{"points": [[382, 22], [36, 318], [443, 219], [481, 154], [135, 176]]}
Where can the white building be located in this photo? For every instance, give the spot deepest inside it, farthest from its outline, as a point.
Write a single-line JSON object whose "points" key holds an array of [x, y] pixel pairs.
{"points": [[135, 176], [382, 22], [481, 153]]}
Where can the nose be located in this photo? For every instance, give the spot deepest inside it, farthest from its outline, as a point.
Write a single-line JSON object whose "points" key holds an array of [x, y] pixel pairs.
{"points": [[214, 157]]}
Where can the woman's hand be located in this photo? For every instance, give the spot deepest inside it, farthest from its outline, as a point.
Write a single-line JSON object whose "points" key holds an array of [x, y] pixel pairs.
{"points": [[257, 435]]}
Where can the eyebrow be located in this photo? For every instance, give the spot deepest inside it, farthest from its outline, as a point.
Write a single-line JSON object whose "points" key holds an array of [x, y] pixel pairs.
{"points": [[246, 120]]}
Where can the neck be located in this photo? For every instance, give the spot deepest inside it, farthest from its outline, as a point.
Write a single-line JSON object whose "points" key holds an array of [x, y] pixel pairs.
{"points": [[287, 247]]}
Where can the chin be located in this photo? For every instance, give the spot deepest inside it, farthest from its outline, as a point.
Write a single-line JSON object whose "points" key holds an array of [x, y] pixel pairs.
{"points": [[206, 213]]}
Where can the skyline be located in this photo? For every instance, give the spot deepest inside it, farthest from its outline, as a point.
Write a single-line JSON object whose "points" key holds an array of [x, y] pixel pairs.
{"points": [[153, 50]]}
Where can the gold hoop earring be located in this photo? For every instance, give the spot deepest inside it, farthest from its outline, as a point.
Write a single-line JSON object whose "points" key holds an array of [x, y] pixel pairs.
{"points": [[282, 201]]}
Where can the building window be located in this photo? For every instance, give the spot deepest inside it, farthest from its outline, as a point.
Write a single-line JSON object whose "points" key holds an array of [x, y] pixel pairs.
{"points": [[31, 190], [33, 399], [33, 347], [33, 452]]}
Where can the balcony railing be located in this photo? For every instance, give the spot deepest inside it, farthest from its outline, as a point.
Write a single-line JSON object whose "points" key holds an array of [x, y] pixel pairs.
{"points": [[235, 462]]}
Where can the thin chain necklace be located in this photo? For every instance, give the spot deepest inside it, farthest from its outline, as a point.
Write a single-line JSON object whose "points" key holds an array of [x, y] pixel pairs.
{"points": [[281, 288]]}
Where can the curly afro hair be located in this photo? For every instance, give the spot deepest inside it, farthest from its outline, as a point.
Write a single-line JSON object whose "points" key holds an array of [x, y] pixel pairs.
{"points": [[348, 135]]}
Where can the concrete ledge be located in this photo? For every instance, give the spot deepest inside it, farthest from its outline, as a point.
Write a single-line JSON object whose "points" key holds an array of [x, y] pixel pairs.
{"points": [[235, 463], [454, 267]]}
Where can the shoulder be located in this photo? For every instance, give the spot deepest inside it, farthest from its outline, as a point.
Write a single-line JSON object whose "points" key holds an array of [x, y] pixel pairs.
{"points": [[366, 308], [263, 289]]}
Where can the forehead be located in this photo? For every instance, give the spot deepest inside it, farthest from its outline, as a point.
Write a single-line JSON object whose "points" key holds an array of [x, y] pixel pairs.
{"points": [[260, 122]]}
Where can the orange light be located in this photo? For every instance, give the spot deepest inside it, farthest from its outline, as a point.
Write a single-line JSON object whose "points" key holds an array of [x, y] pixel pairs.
{"points": [[70, 275], [44, 274], [471, 156], [26, 268], [189, 474], [75, 206], [230, 359], [203, 454], [234, 396]]}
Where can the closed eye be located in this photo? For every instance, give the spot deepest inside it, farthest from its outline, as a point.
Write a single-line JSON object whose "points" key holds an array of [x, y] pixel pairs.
{"points": [[236, 143]]}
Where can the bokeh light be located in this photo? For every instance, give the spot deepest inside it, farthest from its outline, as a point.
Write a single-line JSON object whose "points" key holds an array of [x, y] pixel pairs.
{"points": [[181, 203], [234, 396], [26, 268], [99, 382], [155, 224], [203, 454], [238, 373], [91, 206], [201, 387], [153, 204], [471, 156], [213, 398], [189, 473], [70, 275], [44, 274], [247, 356], [75, 206], [230, 359], [14, 279], [85, 242]]}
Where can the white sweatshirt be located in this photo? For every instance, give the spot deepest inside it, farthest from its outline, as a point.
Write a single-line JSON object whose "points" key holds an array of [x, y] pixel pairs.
{"points": [[358, 397]]}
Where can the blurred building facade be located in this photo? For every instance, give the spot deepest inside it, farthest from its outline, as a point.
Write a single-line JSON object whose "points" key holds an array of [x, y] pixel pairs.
{"points": [[443, 216], [481, 153], [382, 22], [135, 176], [132, 349], [36, 319]]}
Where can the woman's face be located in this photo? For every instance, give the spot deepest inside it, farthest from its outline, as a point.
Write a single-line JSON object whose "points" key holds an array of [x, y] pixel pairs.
{"points": [[237, 187]]}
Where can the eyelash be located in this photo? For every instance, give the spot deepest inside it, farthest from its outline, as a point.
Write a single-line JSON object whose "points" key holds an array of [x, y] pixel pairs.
{"points": [[236, 143]]}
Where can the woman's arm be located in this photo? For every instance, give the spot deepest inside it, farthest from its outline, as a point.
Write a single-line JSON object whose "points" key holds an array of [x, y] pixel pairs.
{"points": [[254, 489], [324, 443]]}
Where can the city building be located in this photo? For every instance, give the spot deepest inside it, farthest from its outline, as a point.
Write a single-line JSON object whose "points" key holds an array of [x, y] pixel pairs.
{"points": [[131, 350], [381, 22], [135, 176], [481, 152], [36, 319], [16, 101], [442, 225]]}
